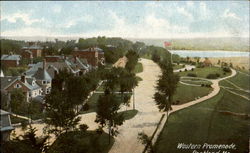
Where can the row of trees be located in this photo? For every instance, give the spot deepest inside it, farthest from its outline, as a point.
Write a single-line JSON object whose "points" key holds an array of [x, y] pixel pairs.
{"points": [[108, 104]]}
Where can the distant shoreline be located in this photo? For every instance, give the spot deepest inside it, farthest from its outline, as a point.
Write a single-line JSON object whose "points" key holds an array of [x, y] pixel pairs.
{"points": [[199, 50]]}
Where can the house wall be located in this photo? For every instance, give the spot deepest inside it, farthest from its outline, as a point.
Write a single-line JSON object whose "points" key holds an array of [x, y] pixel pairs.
{"points": [[26, 55], [90, 56], [10, 63], [45, 87], [36, 52], [52, 59]]}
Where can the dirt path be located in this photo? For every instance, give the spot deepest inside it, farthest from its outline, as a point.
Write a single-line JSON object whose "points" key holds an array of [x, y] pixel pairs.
{"points": [[148, 114]]}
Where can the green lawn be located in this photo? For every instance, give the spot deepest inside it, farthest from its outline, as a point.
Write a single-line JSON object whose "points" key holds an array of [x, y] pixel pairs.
{"points": [[203, 123], [176, 67], [241, 80], [197, 82], [203, 72], [92, 102], [82, 142], [138, 68], [185, 93]]}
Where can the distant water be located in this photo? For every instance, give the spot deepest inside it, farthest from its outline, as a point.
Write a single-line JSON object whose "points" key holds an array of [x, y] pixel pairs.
{"points": [[214, 53]]}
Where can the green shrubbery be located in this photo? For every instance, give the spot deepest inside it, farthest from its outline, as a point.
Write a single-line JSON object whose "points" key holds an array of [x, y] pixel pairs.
{"points": [[213, 76], [192, 75]]}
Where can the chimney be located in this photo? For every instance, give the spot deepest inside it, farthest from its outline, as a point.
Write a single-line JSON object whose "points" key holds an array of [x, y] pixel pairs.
{"points": [[44, 64], [23, 78], [75, 59]]}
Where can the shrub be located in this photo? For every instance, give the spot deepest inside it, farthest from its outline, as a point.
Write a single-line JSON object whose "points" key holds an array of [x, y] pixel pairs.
{"points": [[202, 85], [217, 75], [192, 69], [83, 127], [185, 69], [208, 85], [226, 69], [85, 107], [192, 75], [213, 76], [180, 71]]}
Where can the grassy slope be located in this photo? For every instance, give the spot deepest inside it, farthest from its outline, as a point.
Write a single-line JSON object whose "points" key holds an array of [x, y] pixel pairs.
{"points": [[186, 93], [203, 72], [223, 128], [78, 142], [241, 80]]}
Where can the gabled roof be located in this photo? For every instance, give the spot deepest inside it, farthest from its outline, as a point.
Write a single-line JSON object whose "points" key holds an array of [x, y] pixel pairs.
{"points": [[6, 81], [92, 49], [11, 57], [42, 74], [32, 47]]}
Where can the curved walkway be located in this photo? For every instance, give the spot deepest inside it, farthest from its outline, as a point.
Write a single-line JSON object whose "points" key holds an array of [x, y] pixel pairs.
{"points": [[216, 89]]}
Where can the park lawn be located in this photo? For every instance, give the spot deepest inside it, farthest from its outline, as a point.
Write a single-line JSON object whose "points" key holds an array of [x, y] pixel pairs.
{"points": [[203, 72], [202, 123], [241, 80], [185, 93], [176, 67], [82, 142], [92, 102], [138, 68], [197, 82], [243, 93]]}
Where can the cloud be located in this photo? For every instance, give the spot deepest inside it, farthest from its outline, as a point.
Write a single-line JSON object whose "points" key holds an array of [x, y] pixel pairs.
{"points": [[25, 17], [77, 20], [205, 13], [57, 8], [184, 12], [230, 15]]}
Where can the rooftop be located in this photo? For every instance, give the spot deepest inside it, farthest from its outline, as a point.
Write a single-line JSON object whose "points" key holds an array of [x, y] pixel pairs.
{"points": [[11, 57]]}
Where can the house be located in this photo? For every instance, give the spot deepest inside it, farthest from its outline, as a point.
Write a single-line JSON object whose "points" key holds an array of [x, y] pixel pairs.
{"points": [[27, 54], [74, 65], [53, 58], [6, 126], [93, 55], [10, 60], [29, 86], [43, 78], [34, 48]]}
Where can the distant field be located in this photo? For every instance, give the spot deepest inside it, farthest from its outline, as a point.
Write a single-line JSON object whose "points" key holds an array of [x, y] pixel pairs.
{"points": [[203, 123], [230, 44]]}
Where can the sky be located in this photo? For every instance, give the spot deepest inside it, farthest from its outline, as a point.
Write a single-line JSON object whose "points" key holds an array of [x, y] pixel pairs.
{"points": [[130, 19]]}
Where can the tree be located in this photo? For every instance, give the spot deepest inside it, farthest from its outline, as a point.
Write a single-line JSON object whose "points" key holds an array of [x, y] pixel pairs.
{"points": [[107, 113], [127, 82], [132, 60], [17, 101], [146, 140], [155, 57], [166, 86], [60, 110], [27, 143]]}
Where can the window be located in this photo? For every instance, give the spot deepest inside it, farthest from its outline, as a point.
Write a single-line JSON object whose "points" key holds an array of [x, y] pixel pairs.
{"points": [[30, 94], [44, 82], [17, 85], [33, 83]]}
